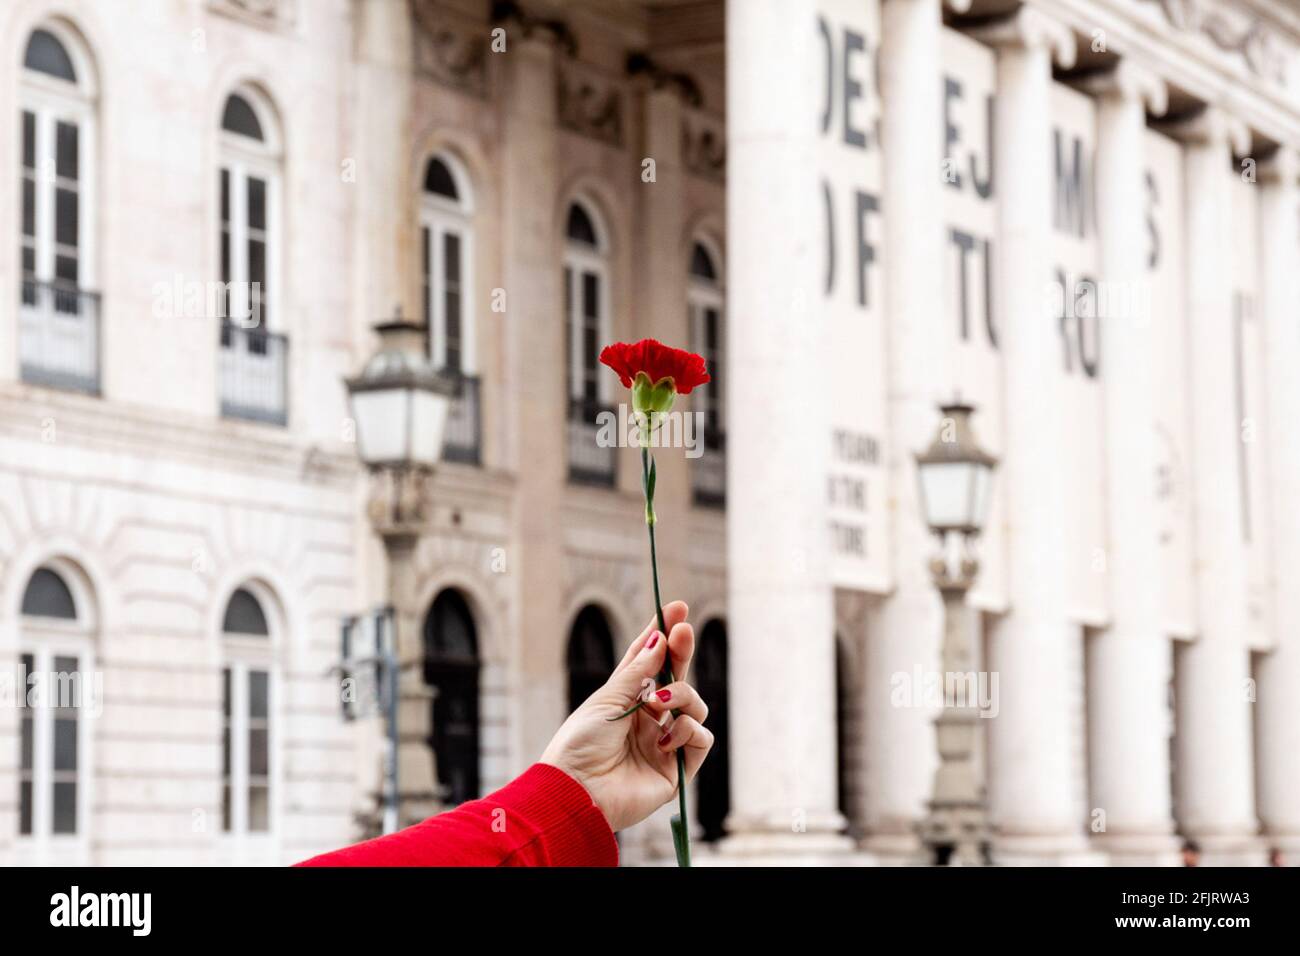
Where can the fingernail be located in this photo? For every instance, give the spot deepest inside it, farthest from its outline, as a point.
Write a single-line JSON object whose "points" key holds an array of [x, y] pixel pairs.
{"points": [[654, 639], [665, 738], [665, 695]]}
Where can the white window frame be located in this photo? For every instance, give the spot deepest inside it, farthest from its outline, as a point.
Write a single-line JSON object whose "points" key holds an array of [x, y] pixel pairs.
{"points": [[242, 653], [52, 100], [702, 294], [244, 158], [580, 258], [442, 216], [45, 639]]}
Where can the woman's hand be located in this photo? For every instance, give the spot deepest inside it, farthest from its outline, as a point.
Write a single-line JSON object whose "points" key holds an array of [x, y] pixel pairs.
{"points": [[629, 766]]}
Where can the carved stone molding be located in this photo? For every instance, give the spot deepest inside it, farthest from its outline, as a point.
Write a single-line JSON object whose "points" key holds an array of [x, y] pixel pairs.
{"points": [[661, 78], [589, 102], [513, 15], [267, 13], [704, 144], [1251, 39], [451, 52]]}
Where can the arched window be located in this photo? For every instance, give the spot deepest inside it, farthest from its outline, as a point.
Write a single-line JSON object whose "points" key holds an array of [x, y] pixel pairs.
{"points": [[59, 334], [446, 259], [249, 188], [586, 303], [56, 696], [848, 736], [248, 686], [705, 302], [590, 655], [451, 669], [713, 793]]}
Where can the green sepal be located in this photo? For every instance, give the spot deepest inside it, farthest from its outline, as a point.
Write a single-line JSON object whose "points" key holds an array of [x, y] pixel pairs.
{"points": [[653, 397]]}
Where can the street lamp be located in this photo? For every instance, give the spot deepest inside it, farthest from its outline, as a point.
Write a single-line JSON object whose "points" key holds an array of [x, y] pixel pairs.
{"points": [[956, 477], [399, 406]]}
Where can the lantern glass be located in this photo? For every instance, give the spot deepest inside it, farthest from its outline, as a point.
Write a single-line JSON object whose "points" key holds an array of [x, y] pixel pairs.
{"points": [[400, 426], [946, 493]]}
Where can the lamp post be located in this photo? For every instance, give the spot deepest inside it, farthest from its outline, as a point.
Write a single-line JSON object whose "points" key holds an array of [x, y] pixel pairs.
{"points": [[955, 479], [399, 404]]}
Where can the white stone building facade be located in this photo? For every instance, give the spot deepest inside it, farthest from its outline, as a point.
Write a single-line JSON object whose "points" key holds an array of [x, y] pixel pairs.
{"points": [[1080, 215]]}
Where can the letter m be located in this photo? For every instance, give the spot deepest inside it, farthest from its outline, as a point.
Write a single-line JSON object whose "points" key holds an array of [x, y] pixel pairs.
{"points": [[1070, 213]]}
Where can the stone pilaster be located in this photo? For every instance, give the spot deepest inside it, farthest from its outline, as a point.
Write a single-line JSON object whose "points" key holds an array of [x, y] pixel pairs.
{"points": [[1215, 783], [1278, 715], [779, 594], [1032, 801], [1131, 660]]}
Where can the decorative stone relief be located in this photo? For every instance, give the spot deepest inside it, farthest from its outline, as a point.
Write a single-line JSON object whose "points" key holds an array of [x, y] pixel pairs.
{"points": [[452, 52], [589, 102], [1252, 39], [704, 144]]}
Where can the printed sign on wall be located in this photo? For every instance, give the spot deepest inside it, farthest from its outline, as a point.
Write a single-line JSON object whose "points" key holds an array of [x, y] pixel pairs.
{"points": [[1077, 296], [971, 224], [1165, 271], [853, 283]]}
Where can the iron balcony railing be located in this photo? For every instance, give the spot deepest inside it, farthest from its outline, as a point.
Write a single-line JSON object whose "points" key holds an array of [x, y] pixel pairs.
{"points": [[463, 439], [590, 463], [252, 378], [709, 471], [58, 336]]}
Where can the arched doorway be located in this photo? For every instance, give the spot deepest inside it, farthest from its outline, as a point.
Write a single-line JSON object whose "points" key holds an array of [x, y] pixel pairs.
{"points": [[451, 669], [713, 790], [590, 655]]}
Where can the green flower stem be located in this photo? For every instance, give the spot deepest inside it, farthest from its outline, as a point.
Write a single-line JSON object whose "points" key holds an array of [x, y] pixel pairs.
{"points": [[681, 831]]}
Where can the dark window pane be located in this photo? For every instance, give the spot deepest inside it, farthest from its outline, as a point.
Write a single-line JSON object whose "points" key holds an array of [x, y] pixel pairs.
{"points": [[225, 691], [65, 744], [65, 217], [449, 634], [257, 753], [27, 732], [227, 811], [25, 807], [48, 596], [225, 753], [451, 259], [239, 117], [225, 267], [29, 140], [580, 228], [424, 277], [65, 807], [256, 203], [29, 207], [439, 180], [45, 54], [28, 664], [702, 264], [29, 268], [258, 694], [257, 261], [452, 310], [65, 150], [65, 271], [225, 196], [590, 295], [259, 809], [244, 615]]}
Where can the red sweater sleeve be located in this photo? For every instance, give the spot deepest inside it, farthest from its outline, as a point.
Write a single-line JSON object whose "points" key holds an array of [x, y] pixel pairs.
{"points": [[541, 818]]}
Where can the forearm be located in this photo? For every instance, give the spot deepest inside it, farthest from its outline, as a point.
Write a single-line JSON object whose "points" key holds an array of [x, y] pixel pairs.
{"points": [[542, 818]]}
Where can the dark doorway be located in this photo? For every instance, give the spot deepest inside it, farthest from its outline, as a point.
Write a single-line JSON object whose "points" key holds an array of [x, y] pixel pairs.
{"points": [[713, 788], [590, 654], [451, 667]]}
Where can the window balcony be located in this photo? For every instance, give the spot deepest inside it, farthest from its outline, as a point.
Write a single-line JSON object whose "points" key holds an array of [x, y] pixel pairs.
{"points": [[589, 463], [58, 336], [709, 471], [464, 435], [252, 375]]}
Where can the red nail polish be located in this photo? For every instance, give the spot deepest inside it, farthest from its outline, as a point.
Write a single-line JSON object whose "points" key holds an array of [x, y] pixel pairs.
{"points": [[664, 739], [654, 639], [665, 695]]}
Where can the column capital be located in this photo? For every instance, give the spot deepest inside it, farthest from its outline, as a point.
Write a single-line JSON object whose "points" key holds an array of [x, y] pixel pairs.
{"points": [[1211, 125], [1029, 28], [1282, 166], [1128, 80]]}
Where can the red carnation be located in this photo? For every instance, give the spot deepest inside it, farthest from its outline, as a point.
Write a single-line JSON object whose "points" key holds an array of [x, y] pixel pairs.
{"points": [[658, 362]]}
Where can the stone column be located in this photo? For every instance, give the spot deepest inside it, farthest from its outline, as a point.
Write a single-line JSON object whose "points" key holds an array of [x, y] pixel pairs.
{"points": [[1130, 662], [1278, 715], [906, 628], [779, 594], [1216, 793], [534, 389], [1033, 805]]}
